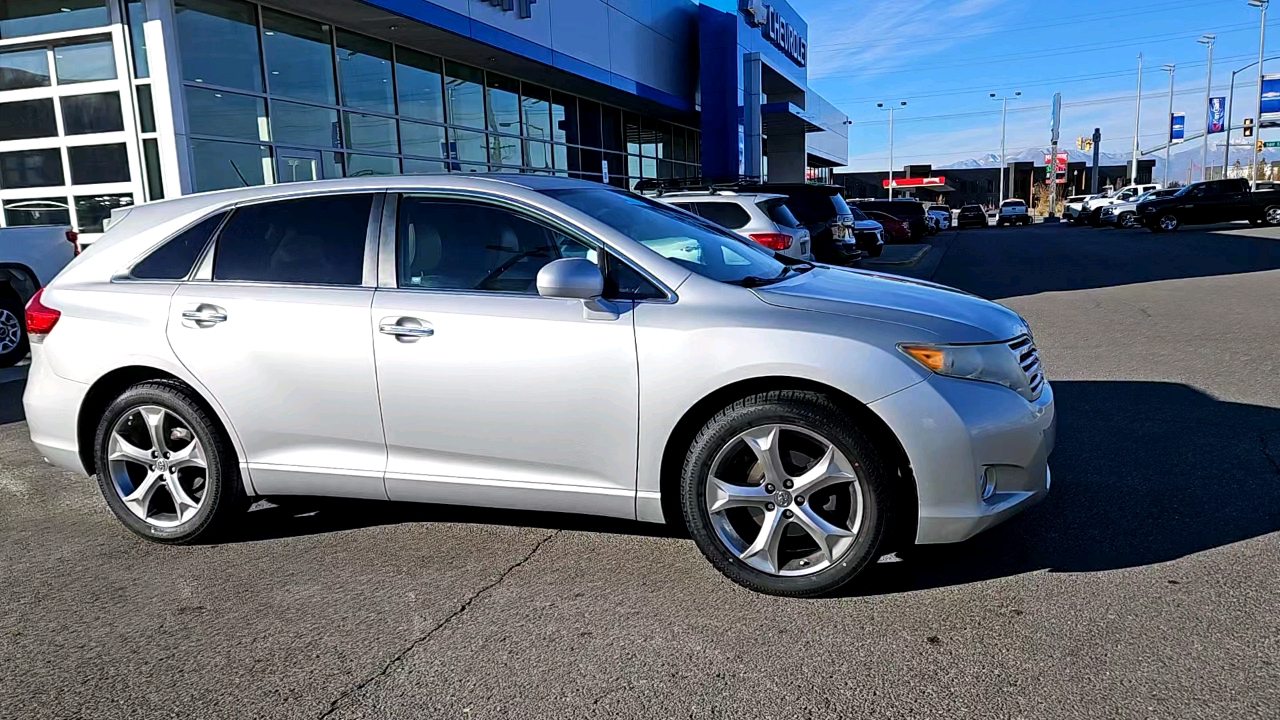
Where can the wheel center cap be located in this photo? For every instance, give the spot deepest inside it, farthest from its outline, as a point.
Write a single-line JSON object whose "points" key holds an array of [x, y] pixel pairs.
{"points": [[782, 498], [160, 466]]}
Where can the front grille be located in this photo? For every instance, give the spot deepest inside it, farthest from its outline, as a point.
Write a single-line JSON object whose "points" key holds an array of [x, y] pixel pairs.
{"points": [[1029, 358]]}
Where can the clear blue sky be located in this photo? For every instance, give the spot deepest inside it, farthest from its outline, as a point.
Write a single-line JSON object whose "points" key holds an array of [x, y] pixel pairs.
{"points": [[944, 56]]}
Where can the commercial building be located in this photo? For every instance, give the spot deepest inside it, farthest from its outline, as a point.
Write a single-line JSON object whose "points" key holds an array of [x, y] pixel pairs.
{"points": [[981, 186], [106, 103]]}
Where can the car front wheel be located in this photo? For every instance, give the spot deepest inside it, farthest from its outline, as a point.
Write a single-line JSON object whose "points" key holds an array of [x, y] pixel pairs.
{"points": [[165, 467], [1166, 223], [1128, 220], [783, 494]]}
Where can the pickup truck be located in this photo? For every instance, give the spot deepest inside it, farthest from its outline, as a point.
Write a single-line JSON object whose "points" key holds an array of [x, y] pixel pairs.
{"points": [[1125, 214], [1091, 210], [1013, 212], [1215, 201], [30, 257]]}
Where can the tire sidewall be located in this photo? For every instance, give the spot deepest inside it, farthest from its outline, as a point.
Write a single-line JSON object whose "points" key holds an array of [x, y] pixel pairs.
{"points": [[10, 302], [1177, 223], [812, 416], [1266, 212], [217, 481]]}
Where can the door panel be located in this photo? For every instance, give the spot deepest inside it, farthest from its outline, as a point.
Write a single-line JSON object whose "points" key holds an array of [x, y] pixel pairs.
{"points": [[512, 401], [293, 369]]}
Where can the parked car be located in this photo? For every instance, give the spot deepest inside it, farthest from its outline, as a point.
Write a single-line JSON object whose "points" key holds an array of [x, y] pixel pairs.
{"points": [[762, 217], [824, 213], [867, 234], [895, 230], [932, 227], [943, 215], [1072, 206], [911, 211], [1125, 214], [972, 216], [1013, 212], [30, 256], [1215, 201], [527, 341], [1092, 208]]}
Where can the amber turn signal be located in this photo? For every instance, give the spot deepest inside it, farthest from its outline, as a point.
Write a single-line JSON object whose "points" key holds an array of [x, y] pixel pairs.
{"points": [[930, 357]]}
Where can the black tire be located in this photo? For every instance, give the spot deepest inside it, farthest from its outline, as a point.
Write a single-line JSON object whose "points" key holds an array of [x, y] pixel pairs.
{"points": [[1271, 215], [876, 251], [1127, 221], [1167, 222], [13, 328], [815, 413], [223, 500]]}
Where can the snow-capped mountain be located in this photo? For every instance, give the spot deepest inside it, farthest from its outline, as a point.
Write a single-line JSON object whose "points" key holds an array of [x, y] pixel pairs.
{"points": [[1184, 160]]}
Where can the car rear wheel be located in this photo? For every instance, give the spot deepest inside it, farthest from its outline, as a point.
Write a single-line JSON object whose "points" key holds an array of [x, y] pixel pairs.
{"points": [[13, 330], [783, 494], [165, 467], [1271, 216]]}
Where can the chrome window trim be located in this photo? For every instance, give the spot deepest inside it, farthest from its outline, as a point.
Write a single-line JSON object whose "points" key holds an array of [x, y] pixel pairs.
{"points": [[387, 279]]}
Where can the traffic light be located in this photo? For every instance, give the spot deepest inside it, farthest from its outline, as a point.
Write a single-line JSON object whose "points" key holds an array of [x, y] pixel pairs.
{"points": [[1080, 143], [1248, 127], [1258, 145]]}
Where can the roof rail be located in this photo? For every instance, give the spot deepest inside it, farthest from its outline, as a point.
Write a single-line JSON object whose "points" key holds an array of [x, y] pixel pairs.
{"points": [[663, 185]]}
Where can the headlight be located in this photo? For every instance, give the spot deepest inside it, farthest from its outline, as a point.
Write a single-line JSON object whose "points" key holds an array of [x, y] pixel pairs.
{"points": [[993, 363]]}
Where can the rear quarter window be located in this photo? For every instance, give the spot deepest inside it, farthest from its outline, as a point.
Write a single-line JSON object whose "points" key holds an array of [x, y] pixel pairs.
{"points": [[725, 214], [174, 259], [779, 213]]}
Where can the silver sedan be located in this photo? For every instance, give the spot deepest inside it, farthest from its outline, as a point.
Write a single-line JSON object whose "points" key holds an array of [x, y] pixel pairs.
{"points": [[538, 343]]}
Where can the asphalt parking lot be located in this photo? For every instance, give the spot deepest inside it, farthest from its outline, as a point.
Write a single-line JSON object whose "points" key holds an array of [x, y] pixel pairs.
{"points": [[1145, 586]]}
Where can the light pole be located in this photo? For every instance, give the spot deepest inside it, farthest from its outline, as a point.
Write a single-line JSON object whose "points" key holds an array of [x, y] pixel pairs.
{"points": [[1168, 67], [1137, 122], [1231, 94], [891, 108], [1207, 41], [1262, 43], [1004, 111]]}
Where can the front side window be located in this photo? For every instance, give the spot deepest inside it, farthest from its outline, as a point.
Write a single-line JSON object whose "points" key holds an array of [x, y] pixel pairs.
{"points": [[687, 241], [450, 245], [174, 259], [314, 241]]}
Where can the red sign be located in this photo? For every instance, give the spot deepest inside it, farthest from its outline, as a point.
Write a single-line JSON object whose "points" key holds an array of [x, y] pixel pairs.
{"points": [[1061, 165], [915, 182]]}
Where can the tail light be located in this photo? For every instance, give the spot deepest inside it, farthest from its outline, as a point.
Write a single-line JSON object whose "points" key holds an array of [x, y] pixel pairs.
{"points": [[73, 237], [773, 241], [40, 318]]}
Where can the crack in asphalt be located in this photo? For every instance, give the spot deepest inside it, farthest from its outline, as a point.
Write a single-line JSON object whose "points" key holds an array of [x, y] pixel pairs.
{"points": [[336, 703]]}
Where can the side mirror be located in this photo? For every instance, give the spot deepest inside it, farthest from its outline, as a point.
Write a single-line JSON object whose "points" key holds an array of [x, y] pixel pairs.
{"points": [[570, 279]]}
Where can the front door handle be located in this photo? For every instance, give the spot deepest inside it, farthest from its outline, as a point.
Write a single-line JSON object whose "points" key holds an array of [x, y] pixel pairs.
{"points": [[204, 315], [406, 329]]}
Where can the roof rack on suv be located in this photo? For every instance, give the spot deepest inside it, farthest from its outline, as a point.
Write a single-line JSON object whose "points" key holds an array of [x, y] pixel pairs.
{"points": [[664, 185]]}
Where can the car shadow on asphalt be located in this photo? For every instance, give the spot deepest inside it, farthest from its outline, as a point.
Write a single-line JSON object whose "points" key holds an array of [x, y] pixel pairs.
{"points": [[1143, 473], [997, 264]]}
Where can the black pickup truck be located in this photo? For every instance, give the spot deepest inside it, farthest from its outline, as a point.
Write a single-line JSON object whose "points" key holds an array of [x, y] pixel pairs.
{"points": [[1215, 201]]}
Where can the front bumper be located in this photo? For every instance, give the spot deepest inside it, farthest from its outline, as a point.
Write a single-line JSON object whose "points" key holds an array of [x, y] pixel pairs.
{"points": [[959, 434]]}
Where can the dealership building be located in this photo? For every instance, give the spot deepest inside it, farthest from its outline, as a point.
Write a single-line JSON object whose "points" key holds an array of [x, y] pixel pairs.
{"points": [[108, 103]]}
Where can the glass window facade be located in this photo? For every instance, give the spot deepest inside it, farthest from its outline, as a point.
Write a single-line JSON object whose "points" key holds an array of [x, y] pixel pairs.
{"points": [[93, 113], [22, 69], [97, 164], [31, 168], [85, 62], [290, 98], [37, 17], [27, 120]]}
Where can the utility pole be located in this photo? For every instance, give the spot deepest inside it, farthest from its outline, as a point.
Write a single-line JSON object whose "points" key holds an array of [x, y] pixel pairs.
{"points": [[1097, 148], [1169, 67], [891, 108], [1137, 123], [1053, 156], [1262, 43], [1004, 163], [1206, 40]]}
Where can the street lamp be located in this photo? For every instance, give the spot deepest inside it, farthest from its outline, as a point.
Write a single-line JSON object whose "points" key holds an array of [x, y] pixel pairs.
{"points": [[1207, 41], [1231, 95], [891, 108], [1168, 67], [1004, 111], [1262, 43]]}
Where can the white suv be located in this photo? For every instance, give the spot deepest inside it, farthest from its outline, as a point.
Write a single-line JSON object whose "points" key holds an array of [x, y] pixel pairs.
{"points": [[763, 217]]}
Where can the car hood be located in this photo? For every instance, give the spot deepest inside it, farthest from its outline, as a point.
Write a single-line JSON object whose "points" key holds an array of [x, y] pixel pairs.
{"points": [[946, 314]]}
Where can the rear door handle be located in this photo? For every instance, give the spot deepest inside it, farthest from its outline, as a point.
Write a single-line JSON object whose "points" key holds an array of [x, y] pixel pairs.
{"points": [[406, 329], [204, 315]]}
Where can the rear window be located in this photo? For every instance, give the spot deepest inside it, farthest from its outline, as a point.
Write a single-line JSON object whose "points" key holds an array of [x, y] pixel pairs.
{"points": [[315, 240], [1013, 203], [778, 212], [725, 214]]}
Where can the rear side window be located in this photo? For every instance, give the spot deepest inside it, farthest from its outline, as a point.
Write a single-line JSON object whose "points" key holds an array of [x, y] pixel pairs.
{"points": [[174, 259], [729, 215], [778, 212], [314, 241]]}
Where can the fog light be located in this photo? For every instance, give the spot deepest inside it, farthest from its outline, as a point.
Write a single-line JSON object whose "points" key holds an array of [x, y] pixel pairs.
{"points": [[988, 483]]}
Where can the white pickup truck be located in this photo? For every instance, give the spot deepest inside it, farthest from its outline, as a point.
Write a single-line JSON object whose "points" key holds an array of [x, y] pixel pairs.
{"points": [[29, 258], [1013, 212], [1091, 210]]}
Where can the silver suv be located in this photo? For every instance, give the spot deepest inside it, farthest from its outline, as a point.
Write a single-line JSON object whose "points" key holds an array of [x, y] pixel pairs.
{"points": [[762, 217], [527, 341]]}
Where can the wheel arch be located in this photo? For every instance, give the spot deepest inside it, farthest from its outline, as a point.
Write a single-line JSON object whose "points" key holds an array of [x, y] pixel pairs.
{"points": [[906, 501], [108, 387]]}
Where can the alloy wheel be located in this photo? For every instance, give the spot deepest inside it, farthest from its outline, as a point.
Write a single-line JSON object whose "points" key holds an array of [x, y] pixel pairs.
{"points": [[10, 331], [1127, 220], [157, 466], [784, 500], [1273, 216], [1168, 222]]}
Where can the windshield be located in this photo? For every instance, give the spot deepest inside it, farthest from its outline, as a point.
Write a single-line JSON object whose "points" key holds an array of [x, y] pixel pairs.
{"points": [[857, 214], [677, 236]]}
